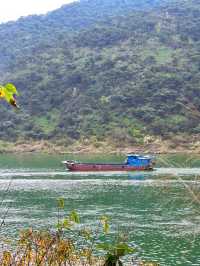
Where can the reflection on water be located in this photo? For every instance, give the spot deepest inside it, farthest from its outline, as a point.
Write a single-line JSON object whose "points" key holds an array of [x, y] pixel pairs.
{"points": [[45, 172], [159, 210]]}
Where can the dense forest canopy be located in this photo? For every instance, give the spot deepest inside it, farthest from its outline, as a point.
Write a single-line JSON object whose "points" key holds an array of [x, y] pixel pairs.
{"points": [[112, 68]]}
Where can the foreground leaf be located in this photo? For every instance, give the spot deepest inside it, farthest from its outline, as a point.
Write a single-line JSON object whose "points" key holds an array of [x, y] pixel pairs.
{"points": [[74, 217]]}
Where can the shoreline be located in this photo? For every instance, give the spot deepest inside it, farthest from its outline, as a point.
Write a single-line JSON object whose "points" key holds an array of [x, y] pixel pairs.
{"points": [[43, 146]]}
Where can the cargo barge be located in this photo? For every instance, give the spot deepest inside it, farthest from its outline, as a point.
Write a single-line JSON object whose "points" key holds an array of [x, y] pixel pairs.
{"points": [[133, 162]]}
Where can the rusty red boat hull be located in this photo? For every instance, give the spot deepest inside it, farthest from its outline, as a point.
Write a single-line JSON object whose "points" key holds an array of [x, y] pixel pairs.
{"points": [[80, 167]]}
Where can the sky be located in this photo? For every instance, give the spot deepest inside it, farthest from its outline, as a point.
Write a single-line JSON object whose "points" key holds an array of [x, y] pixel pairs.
{"points": [[13, 9]]}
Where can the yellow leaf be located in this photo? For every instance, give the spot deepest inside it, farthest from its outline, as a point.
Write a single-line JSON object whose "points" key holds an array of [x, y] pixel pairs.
{"points": [[104, 222], [2, 93]]}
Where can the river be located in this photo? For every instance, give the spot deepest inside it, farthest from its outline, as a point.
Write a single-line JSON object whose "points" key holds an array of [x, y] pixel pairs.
{"points": [[159, 210]]}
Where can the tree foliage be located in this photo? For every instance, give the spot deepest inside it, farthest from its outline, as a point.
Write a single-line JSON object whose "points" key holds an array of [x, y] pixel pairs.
{"points": [[120, 69]]}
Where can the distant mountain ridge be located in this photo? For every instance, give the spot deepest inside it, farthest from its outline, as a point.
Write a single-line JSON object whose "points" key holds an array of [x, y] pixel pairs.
{"points": [[117, 69]]}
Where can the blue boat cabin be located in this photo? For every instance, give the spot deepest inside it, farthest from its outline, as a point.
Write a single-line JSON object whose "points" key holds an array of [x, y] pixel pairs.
{"points": [[138, 160]]}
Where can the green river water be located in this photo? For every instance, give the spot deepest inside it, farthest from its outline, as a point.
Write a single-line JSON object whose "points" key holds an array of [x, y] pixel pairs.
{"points": [[159, 210]]}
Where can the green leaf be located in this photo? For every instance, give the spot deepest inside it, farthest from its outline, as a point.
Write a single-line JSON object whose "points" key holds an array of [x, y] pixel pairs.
{"points": [[67, 223], [61, 203], [11, 88], [123, 249], [105, 246], [59, 226], [7, 93], [8, 96], [74, 217]]}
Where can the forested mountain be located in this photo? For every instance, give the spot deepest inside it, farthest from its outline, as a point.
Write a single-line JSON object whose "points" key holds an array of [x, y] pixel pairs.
{"points": [[118, 69], [29, 32]]}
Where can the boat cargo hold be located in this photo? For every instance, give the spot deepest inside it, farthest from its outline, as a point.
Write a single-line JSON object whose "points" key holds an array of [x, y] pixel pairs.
{"points": [[134, 162]]}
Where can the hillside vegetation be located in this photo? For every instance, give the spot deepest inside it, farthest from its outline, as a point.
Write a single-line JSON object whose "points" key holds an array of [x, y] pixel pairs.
{"points": [[104, 69]]}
